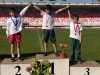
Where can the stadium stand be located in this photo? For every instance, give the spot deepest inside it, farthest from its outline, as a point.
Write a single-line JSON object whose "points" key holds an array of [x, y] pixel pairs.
{"points": [[88, 18]]}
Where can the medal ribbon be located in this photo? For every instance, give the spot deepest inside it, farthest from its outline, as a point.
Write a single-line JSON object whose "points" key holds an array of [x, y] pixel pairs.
{"points": [[75, 28], [15, 23], [47, 18]]}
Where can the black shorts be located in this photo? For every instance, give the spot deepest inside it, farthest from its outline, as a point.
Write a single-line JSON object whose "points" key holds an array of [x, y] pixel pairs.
{"points": [[49, 34]]}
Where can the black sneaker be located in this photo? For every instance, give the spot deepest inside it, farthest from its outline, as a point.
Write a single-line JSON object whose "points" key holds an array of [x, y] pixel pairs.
{"points": [[56, 53], [72, 62], [12, 59], [45, 54], [20, 59]]}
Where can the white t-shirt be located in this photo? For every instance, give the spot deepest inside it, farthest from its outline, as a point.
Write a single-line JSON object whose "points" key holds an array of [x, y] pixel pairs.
{"points": [[11, 27], [48, 20], [74, 30]]}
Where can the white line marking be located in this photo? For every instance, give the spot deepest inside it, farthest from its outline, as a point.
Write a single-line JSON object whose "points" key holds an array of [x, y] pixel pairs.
{"points": [[40, 41]]}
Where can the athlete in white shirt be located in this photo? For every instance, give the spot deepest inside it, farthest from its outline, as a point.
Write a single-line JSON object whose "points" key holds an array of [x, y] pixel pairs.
{"points": [[14, 27], [47, 26], [75, 37]]}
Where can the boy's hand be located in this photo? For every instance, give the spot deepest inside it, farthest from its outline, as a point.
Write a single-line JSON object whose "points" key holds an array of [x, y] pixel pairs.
{"points": [[67, 6], [29, 3], [80, 41]]}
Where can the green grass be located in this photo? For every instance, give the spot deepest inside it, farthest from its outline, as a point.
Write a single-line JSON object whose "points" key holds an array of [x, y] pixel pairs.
{"points": [[30, 45]]}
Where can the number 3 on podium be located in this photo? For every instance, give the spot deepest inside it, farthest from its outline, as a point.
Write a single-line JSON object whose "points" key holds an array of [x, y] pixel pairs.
{"points": [[88, 71]]}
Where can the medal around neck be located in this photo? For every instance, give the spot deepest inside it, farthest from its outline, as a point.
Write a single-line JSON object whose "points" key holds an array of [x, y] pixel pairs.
{"points": [[75, 27], [46, 25], [47, 19], [15, 23]]}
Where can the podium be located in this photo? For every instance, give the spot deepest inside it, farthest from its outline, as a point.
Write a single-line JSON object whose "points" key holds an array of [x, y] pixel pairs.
{"points": [[60, 66], [14, 68], [86, 68]]}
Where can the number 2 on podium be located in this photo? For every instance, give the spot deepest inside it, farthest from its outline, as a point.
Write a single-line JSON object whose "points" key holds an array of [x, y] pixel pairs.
{"points": [[19, 68]]}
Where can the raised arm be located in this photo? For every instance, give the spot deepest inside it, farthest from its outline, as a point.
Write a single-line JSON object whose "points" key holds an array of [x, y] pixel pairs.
{"points": [[37, 8], [61, 9], [25, 9], [69, 14], [8, 29]]}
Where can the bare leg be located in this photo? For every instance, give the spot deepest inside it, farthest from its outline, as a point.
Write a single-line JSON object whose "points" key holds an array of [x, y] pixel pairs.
{"points": [[55, 47], [12, 52], [12, 49], [18, 49], [45, 46]]}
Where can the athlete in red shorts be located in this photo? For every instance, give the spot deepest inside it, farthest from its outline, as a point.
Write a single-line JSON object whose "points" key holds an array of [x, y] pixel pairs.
{"points": [[13, 30]]}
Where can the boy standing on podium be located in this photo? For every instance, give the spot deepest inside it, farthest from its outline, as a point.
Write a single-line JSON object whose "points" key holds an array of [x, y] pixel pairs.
{"points": [[48, 26], [75, 37], [13, 31]]}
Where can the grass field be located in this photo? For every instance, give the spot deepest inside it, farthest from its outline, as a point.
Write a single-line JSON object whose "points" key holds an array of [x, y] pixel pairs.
{"points": [[32, 43]]}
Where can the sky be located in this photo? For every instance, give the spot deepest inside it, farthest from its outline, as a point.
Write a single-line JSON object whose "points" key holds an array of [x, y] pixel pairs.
{"points": [[46, 1]]}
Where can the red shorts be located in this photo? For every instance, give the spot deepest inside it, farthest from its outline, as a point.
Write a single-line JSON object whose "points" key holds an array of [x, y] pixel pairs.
{"points": [[15, 38]]}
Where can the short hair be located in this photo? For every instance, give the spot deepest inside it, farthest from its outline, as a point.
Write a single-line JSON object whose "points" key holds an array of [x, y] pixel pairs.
{"points": [[12, 9], [75, 15], [48, 7]]}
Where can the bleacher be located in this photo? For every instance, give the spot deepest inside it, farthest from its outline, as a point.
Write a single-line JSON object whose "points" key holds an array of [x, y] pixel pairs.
{"points": [[34, 18]]}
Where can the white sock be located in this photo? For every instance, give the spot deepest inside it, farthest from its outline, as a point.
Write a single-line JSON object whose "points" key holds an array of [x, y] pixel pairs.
{"points": [[18, 55], [45, 51], [13, 55], [55, 51]]}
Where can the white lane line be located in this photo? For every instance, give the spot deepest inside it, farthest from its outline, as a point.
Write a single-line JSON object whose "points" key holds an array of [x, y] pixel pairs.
{"points": [[40, 41]]}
